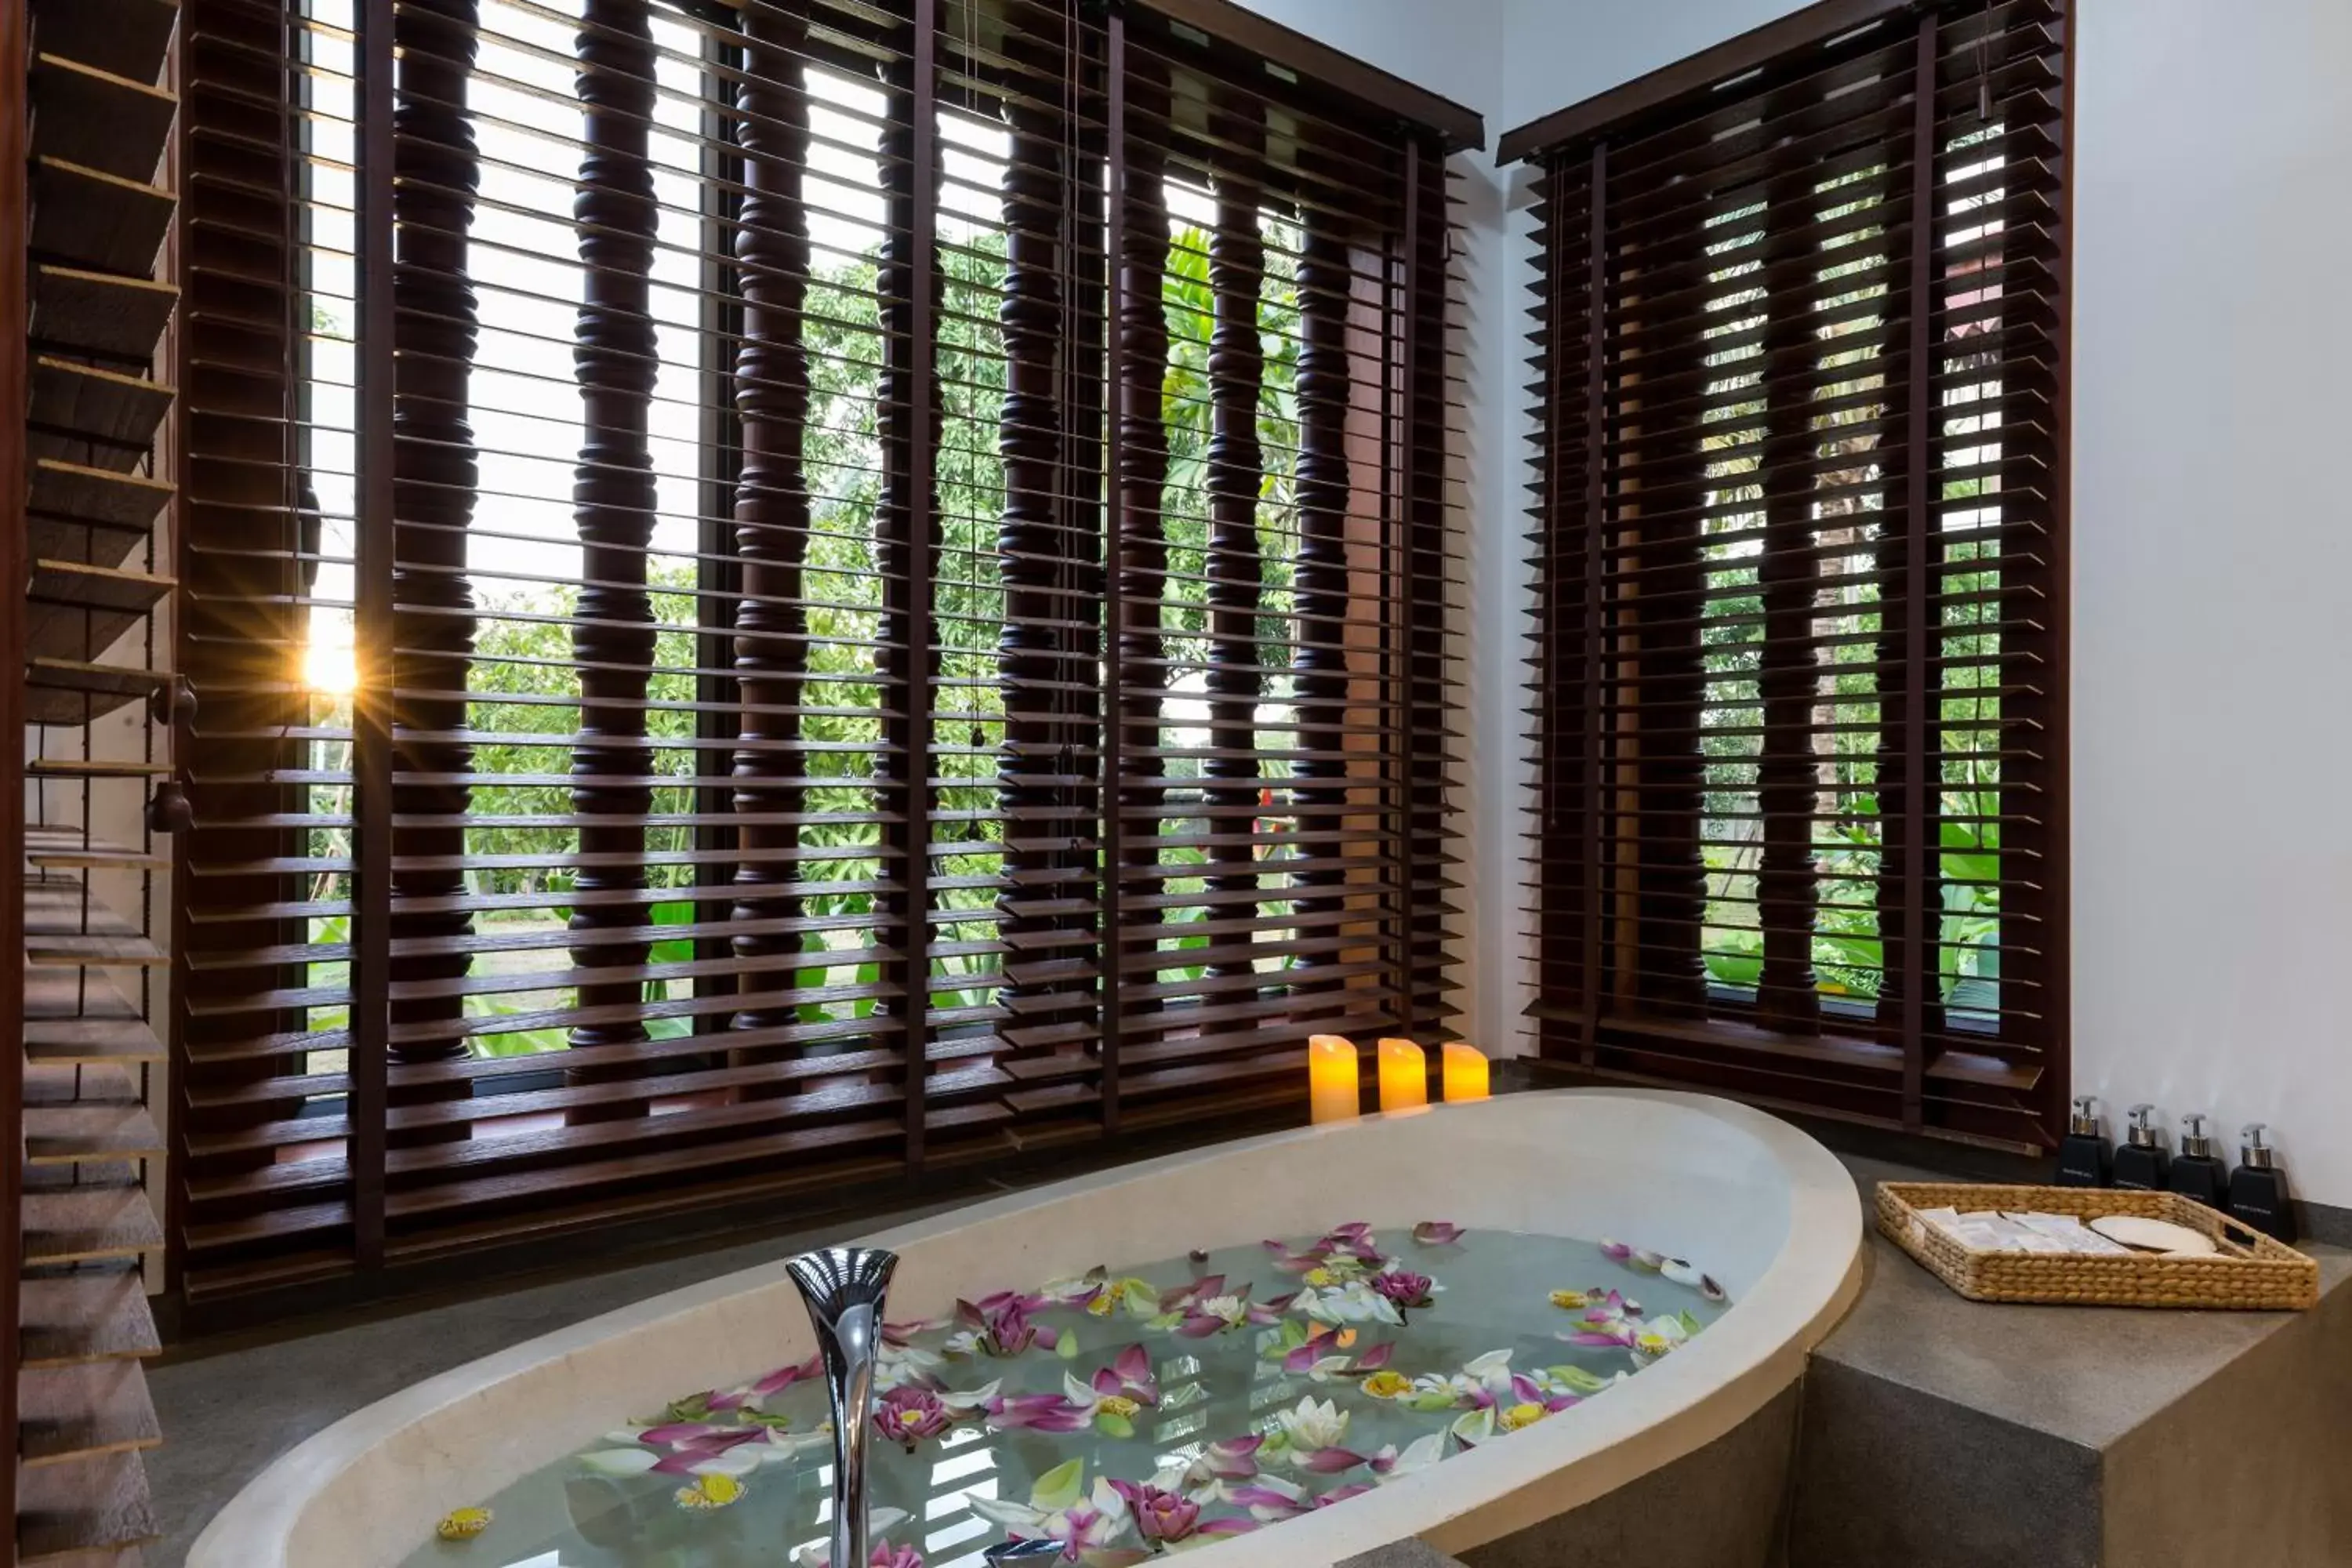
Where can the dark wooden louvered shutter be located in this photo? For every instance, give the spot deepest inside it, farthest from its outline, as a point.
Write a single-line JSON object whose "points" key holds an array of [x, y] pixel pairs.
{"points": [[898, 572], [87, 200], [1799, 548]]}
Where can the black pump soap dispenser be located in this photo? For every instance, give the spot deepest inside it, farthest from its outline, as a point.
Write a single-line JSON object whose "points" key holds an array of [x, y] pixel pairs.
{"points": [[2196, 1172], [2140, 1162], [2084, 1157], [2258, 1194]]}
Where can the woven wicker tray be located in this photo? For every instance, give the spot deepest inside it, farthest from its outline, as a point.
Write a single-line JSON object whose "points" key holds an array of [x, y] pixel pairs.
{"points": [[2254, 1272]]}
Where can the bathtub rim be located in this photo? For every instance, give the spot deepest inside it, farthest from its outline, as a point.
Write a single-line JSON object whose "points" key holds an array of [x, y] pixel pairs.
{"points": [[1675, 1408]]}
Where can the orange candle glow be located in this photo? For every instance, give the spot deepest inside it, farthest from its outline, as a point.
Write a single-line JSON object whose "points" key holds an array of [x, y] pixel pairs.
{"points": [[1404, 1076], [1334, 1079], [1465, 1072]]}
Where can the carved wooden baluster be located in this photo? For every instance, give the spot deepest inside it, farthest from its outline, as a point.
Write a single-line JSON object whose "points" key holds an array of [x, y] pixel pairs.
{"points": [[907, 658], [434, 476], [1142, 528], [1082, 563], [1664, 610], [772, 497], [1320, 682], [1030, 544], [1788, 682], [1236, 368], [614, 497]]}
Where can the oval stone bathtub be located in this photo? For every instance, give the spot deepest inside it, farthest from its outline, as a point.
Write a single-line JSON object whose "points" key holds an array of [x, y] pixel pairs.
{"points": [[1756, 1204]]}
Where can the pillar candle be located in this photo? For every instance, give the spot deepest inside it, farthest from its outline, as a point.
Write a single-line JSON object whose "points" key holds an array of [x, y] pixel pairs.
{"points": [[1334, 1084], [1404, 1076], [1465, 1072]]}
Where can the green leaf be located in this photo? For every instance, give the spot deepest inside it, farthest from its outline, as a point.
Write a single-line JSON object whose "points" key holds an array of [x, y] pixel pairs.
{"points": [[1577, 1378], [1060, 1487]]}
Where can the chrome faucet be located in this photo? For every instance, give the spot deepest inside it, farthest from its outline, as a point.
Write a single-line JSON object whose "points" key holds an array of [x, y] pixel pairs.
{"points": [[843, 1287]]}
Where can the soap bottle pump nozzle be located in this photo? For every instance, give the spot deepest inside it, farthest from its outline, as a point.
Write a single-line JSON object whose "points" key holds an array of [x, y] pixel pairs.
{"points": [[2194, 1142], [2256, 1154], [2142, 1133], [2086, 1120]]}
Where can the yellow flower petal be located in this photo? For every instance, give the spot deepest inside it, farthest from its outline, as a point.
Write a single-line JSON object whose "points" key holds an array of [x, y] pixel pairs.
{"points": [[1388, 1385], [711, 1491], [1519, 1416], [463, 1524], [1569, 1300]]}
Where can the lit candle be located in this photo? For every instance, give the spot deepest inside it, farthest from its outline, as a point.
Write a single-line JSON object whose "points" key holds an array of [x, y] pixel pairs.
{"points": [[1404, 1076], [1465, 1072], [1334, 1081]]}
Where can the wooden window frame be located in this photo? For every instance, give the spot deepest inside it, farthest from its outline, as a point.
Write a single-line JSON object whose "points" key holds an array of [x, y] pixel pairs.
{"points": [[1621, 996]]}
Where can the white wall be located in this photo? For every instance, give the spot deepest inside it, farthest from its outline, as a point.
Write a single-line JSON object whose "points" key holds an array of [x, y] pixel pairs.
{"points": [[2212, 869], [2212, 556]]}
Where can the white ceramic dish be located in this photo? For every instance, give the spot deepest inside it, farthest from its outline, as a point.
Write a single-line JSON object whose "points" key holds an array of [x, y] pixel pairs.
{"points": [[1757, 1203]]}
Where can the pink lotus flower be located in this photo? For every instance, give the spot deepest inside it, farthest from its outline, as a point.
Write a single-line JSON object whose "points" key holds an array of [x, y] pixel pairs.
{"points": [[1279, 1500], [1353, 1239], [1291, 1262], [1526, 1391], [1001, 1325], [776, 1382], [1206, 1308], [1314, 1358], [1329, 1461], [1234, 1459], [1633, 1257], [1404, 1288], [1036, 1413], [888, 1556], [698, 1445], [910, 1413], [1128, 1377], [1437, 1233], [1162, 1518], [1270, 1503]]}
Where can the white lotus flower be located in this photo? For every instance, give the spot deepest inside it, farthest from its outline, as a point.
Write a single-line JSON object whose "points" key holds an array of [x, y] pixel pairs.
{"points": [[1658, 1336], [1352, 1302], [1314, 1424], [898, 1365], [1390, 1465], [1231, 1308], [819, 1554], [619, 1461]]}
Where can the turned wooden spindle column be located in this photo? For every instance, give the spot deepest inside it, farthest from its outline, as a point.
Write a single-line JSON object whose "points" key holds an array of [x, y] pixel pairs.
{"points": [[434, 479], [1319, 684], [1787, 680], [614, 510], [906, 541], [1032, 543], [1667, 570], [1142, 529], [1235, 573], [772, 497]]}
